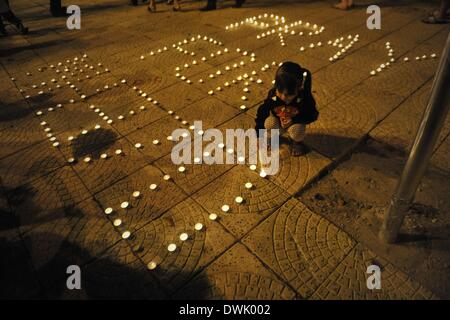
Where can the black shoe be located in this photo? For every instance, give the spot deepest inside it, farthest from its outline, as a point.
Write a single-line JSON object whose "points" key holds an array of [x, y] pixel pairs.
{"points": [[208, 8], [239, 3], [134, 2], [22, 28], [59, 12]]}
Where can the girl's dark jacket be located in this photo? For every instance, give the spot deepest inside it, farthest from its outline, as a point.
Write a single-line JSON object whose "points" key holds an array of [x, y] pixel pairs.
{"points": [[304, 102]]}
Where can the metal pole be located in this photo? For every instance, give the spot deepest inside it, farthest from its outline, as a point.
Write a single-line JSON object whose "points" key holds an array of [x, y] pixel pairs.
{"points": [[421, 151]]}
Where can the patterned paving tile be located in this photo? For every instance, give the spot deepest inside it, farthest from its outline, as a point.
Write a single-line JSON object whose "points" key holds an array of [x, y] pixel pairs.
{"points": [[305, 248]]}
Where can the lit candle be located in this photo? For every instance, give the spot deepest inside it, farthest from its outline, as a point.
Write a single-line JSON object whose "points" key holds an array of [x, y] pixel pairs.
{"points": [[184, 236]]}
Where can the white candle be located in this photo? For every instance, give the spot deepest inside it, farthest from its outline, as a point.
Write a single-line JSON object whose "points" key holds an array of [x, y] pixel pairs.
{"points": [[124, 205], [239, 200], [108, 210], [198, 226], [225, 208], [184, 236], [153, 186], [172, 247], [212, 216], [151, 265], [117, 222], [126, 235], [248, 185]]}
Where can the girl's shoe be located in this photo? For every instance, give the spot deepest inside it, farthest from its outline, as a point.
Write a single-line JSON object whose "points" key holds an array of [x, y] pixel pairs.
{"points": [[297, 149]]}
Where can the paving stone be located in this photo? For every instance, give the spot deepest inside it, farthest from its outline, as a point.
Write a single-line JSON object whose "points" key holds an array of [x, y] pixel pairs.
{"points": [[331, 136], [47, 198], [236, 275], [149, 205], [15, 114], [100, 173], [69, 119], [18, 278], [301, 246], [210, 111], [19, 135], [73, 235], [259, 202], [30, 164], [117, 274], [400, 127], [147, 79], [134, 118], [158, 130], [439, 158], [349, 280], [295, 172], [175, 268], [178, 96]]}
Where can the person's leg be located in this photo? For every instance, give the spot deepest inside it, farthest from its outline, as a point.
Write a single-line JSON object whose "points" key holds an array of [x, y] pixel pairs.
{"points": [[297, 134], [439, 16], [176, 5], [211, 5], [239, 3], [443, 8], [152, 6], [344, 4], [2, 27], [271, 122], [12, 18]]}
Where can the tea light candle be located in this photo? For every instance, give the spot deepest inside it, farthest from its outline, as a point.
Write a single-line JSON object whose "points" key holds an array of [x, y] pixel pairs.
{"points": [[181, 169], [103, 156], [126, 235], [262, 174], [124, 205], [151, 265], [136, 194], [153, 186], [172, 247], [184, 236], [213, 216], [239, 200], [253, 167], [118, 151], [109, 210], [138, 145], [248, 185], [198, 226], [225, 208], [117, 222], [71, 160], [87, 159], [166, 177]]}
